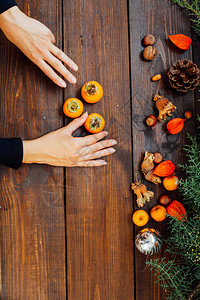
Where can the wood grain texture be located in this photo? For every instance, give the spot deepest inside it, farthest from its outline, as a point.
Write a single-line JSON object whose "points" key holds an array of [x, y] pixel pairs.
{"points": [[161, 18], [77, 223], [99, 200], [31, 198]]}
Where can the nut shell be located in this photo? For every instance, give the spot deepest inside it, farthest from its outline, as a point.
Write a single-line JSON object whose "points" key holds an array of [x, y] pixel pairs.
{"points": [[157, 157], [149, 39], [150, 52]]}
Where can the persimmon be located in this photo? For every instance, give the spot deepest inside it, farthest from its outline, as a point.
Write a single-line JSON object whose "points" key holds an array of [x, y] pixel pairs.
{"points": [[95, 123], [92, 92], [140, 217], [73, 107], [170, 182], [158, 213]]}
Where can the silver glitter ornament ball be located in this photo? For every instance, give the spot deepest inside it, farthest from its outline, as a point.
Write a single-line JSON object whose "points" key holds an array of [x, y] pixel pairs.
{"points": [[148, 241]]}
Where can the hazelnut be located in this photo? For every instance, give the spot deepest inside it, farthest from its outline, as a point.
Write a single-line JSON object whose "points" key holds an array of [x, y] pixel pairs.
{"points": [[151, 120], [157, 157], [149, 39], [188, 114], [150, 52], [165, 200]]}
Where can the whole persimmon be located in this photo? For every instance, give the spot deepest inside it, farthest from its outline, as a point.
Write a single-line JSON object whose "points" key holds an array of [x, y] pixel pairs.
{"points": [[170, 182], [73, 107], [95, 123], [92, 92], [158, 213], [140, 217]]}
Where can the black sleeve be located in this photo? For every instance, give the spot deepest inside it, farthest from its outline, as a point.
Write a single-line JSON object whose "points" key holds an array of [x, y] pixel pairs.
{"points": [[11, 152], [6, 4]]}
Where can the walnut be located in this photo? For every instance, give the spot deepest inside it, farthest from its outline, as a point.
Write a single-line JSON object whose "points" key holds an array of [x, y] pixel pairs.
{"points": [[141, 192], [164, 106]]}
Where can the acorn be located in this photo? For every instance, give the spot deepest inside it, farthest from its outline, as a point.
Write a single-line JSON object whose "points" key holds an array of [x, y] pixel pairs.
{"points": [[151, 120]]}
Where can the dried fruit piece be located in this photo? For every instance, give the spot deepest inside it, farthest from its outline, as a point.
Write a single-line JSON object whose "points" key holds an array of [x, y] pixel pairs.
{"points": [[181, 41], [177, 210], [140, 217], [170, 183], [147, 164], [157, 157], [150, 52], [151, 120], [164, 106], [149, 39], [165, 200], [158, 213], [156, 77], [188, 114], [141, 192], [164, 169], [153, 178], [147, 167], [175, 125]]}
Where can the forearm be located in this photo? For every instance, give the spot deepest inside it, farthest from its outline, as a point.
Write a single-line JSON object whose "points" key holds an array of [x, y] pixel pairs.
{"points": [[33, 151]]}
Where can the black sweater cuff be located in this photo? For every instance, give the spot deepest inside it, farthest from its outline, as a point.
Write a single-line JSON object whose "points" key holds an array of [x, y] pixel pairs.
{"points": [[11, 152], [6, 4]]}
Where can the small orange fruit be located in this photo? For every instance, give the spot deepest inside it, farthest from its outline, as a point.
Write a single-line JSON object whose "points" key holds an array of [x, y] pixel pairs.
{"points": [[140, 217], [170, 182], [92, 92], [73, 107], [95, 123], [158, 213]]}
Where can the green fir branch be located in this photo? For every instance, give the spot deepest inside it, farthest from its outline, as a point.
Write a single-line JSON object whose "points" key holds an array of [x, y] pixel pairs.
{"points": [[194, 12], [185, 239], [174, 279]]}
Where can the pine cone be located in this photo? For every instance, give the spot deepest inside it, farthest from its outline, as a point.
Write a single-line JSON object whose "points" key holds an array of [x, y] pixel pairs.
{"points": [[184, 75]]}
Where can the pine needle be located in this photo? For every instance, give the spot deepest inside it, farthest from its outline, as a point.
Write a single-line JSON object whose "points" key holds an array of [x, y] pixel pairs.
{"points": [[194, 12]]}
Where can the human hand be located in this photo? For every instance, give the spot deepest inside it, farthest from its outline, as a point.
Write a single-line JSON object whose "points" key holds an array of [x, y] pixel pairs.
{"points": [[60, 148], [36, 41]]}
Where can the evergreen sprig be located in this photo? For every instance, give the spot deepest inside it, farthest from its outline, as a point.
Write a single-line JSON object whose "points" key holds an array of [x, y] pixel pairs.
{"points": [[176, 280], [190, 187], [185, 239], [194, 12]]}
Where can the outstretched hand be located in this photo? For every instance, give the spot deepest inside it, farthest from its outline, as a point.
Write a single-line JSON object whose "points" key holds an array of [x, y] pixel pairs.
{"points": [[36, 41], [60, 148]]}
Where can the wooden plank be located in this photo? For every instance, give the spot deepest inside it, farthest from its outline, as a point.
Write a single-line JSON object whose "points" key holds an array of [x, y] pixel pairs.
{"points": [[161, 18], [99, 200], [32, 198]]}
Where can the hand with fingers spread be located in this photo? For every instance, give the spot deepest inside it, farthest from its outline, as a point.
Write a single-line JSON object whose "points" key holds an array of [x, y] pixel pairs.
{"points": [[36, 41], [60, 148]]}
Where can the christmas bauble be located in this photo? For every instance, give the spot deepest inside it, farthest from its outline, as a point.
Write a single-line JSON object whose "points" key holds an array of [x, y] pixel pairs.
{"points": [[148, 241]]}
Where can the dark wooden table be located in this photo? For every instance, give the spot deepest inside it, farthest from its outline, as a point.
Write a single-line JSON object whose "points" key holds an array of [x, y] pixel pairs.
{"points": [[68, 233]]}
